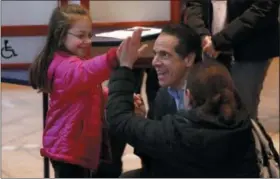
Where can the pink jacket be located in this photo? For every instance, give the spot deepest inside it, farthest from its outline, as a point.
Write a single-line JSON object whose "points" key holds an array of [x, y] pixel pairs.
{"points": [[73, 127]]}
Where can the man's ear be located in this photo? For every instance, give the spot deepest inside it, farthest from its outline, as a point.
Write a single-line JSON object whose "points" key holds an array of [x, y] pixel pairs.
{"points": [[188, 99], [187, 93], [189, 59]]}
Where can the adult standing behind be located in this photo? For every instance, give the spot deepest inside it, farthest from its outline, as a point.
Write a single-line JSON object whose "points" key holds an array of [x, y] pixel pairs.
{"points": [[248, 28], [210, 137]]}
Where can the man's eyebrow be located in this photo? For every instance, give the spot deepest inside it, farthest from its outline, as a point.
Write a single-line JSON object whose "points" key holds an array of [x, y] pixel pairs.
{"points": [[164, 51], [81, 31]]}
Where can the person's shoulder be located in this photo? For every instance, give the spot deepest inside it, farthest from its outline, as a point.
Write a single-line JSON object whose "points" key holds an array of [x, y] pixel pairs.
{"points": [[162, 91], [163, 95], [66, 58], [61, 64], [183, 117], [176, 123]]}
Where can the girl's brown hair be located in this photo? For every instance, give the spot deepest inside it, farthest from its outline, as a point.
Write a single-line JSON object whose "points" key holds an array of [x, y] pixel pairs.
{"points": [[59, 24], [212, 90]]}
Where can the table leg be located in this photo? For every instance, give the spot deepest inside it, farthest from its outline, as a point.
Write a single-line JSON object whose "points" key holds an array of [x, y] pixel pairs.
{"points": [[152, 86], [45, 109]]}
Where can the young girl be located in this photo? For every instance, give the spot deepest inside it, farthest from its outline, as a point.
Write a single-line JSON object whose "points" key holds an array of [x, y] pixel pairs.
{"points": [[72, 136]]}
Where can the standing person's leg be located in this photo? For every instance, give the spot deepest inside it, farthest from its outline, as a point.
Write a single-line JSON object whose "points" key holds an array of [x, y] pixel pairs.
{"points": [[114, 168], [249, 77], [66, 170], [225, 60]]}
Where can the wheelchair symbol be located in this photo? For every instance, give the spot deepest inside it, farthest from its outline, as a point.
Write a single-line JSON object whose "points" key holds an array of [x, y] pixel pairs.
{"points": [[7, 51]]}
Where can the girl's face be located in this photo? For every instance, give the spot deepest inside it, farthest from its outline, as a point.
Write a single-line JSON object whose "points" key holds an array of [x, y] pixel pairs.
{"points": [[79, 36]]}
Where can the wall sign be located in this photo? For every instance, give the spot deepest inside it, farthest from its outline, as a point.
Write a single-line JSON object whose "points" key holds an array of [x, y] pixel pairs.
{"points": [[7, 51], [20, 49]]}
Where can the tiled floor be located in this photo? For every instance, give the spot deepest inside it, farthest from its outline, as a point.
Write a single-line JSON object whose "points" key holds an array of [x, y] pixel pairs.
{"points": [[22, 127]]}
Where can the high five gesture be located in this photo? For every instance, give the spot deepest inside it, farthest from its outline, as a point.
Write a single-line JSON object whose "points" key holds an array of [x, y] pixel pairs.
{"points": [[130, 49]]}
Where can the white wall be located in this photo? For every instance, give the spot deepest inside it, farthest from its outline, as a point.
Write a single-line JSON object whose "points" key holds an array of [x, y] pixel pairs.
{"points": [[119, 11], [38, 13], [25, 47], [74, 1], [26, 12]]}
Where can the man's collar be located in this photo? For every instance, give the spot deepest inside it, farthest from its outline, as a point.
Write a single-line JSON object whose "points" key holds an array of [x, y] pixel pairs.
{"points": [[183, 87], [176, 92]]}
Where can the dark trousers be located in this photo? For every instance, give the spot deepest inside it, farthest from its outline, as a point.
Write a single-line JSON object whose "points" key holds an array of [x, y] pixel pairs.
{"points": [[66, 170], [132, 174], [226, 60], [248, 77]]}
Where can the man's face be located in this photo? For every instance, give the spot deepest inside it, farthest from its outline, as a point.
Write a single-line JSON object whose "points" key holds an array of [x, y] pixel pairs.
{"points": [[170, 67]]}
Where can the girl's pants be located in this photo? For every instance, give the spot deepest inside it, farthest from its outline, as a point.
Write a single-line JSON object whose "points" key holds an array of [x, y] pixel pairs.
{"points": [[66, 170]]}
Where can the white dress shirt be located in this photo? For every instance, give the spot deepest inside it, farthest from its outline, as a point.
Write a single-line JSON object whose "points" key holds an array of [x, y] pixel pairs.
{"points": [[219, 15]]}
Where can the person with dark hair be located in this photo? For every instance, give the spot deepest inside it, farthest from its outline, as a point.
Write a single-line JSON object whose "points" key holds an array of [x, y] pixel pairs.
{"points": [[211, 136], [74, 84], [248, 29], [75, 138], [176, 49]]}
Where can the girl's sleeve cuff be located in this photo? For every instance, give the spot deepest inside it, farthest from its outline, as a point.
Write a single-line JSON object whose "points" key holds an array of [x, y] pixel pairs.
{"points": [[112, 58]]}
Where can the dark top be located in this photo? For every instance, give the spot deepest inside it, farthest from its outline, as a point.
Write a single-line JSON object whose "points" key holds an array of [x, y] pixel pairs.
{"points": [[252, 31], [163, 104], [186, 144]]}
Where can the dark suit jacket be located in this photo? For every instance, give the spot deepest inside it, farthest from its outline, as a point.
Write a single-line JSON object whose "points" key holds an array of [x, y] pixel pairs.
{"points": [[252, 30]]}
